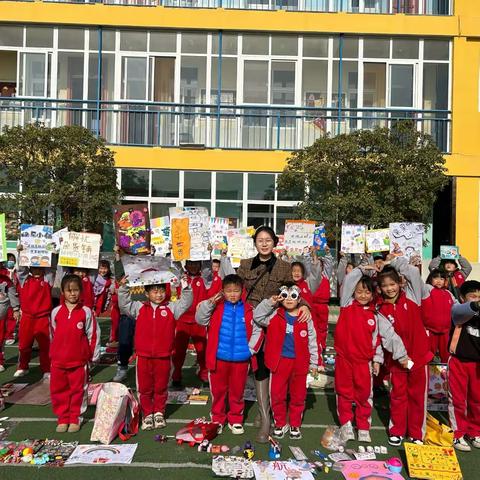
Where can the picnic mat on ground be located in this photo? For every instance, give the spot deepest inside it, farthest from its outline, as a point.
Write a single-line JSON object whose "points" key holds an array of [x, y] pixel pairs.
{"points": [[36, 394]]}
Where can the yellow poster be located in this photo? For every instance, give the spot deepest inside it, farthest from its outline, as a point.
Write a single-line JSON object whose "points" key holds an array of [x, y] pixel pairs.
{"points": [[435, 463], [180, 238]]}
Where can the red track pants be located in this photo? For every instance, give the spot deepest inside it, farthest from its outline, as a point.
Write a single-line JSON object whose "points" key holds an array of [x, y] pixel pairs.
{"points": [[228, 378], [353, 384], [408, 402], [287, 379], [32, 328], [11, 324], [439, 343], [68, 392], [153, 375], [115, 319], [320, 322], [3, 337], [182, 337], [464, 397]]}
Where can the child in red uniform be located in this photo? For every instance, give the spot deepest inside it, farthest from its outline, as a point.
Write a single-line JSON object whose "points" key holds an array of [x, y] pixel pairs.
{"points": [[230, 326], [75, 341], [9, 270], [359, 337], [216, 284], [436, 313], [455, 276], [290, 351], [155, 322], [9, 302], [88, 297], [401, 306], [187, 327], [464, 368]]}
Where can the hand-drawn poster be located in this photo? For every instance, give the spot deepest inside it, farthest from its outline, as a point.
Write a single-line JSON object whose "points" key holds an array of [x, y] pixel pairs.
{"points": [[160, 235], [282, 470], [57, 238], [132, 229], [37, 244], [180, 238], [449, 252], [279, 249], [149, 270], [407, 239], [3, 239], [218, 235], [298, 236], [240, 245], [378, 240], [437, 399], [368, 470], [435, 463], [80, 250], [102, 454], [353, 238], [320, 237]]}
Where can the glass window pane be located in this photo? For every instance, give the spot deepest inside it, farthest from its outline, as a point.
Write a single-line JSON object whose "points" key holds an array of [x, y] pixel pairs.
{"points": [[315, 46], [261, 186], [108, 72], [435, 86], [11, 36], [283, 83], [229, 186], [349, 85], [135, 182], [39, 37], [229, 43], [33, 84], [255, 44], [229, 81], [108, 40], [296, 193], [134, 77], [165, 183], [160, 209], [197, 185], [405, 48], [8, 73], [374, 85], [349, 49], [207, 205], [163, 41], [283, 214], [133, 41], [314, 83], [255, 81], [194, 43], [401, 85], [376, 48], [260, 215], [70, 75], [229, 210], [71, 38], [284, 45], [193, 80], [436, 49]]}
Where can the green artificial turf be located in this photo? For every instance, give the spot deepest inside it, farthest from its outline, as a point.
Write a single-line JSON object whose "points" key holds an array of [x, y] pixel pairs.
{"points": [[153, 460]]}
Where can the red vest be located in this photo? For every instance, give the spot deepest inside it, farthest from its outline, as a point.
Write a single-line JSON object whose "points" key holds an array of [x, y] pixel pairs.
{"points": [[214, 332], [354, 332], [216, 285], [275, 337], [199, 294], [406, 318], [436, 311], [154, 331], [36, 297]]}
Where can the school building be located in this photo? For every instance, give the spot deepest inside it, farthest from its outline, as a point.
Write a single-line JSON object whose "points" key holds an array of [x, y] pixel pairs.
{"points": [[203, 100]]}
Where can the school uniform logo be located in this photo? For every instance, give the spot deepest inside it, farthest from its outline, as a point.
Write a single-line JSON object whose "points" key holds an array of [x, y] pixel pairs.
{"points": [[163, 313], [80, 325], [198, 283], [303, 333], [371, 322]]}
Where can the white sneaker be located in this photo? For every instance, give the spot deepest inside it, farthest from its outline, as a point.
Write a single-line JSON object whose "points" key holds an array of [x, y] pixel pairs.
{"points": [[347, 432], [395, 440], [46, 377], [364, 436], [147, 423], [415, 441], [10, 341], [159, 420], [2, 368], [20, 373], [462, 445], [475, 441], [295, 433], [279, 432], [236, 428]]}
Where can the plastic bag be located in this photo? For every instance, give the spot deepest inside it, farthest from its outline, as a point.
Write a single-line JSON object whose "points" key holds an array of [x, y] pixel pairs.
{"points": [[332, 439], [437, 433]]}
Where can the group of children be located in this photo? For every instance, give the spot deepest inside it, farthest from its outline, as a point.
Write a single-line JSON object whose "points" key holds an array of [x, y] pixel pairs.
{"points": [[391, 323]]}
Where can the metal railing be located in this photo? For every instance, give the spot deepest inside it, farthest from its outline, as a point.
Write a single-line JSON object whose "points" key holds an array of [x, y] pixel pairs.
{"points": [[211, 126], [414, 7]]}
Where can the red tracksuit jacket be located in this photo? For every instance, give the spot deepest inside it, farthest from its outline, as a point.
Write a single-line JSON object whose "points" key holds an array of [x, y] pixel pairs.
{"points": [[216, 285], [199, 294], [101, 300], [36, 297], [74, 336], [437, 310], [87, 296], [322, 294], [306, 293]]}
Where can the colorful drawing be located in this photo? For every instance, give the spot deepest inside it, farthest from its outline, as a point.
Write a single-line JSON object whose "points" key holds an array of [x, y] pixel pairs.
{"points": [[377, 240], [449, 252], [320, 237], [240, 245], [37, 245], [160, 235], [80, 249], [180, 238], [280, 245], [353, 238], [102, 454], [278, 470], [407, 239], [368, 470], [298, 236], [437, 399], [218, 235], [435, 463], [3, 239], [132, 229], [147, 270]]}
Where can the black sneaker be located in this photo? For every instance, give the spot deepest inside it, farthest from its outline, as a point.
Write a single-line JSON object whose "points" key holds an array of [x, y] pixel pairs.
{"points": [[177, 385], [295, 433], [395, 441]]}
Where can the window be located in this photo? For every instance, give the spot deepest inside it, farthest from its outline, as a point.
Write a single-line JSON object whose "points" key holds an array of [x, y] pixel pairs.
{"points": [[436, 49], [39, 37], [315, 46], [401, 85], [314, 83], [193, 80], [165, 183], [71, 38], [260, 215], [349, 48], [229, 44], [229, 186], [70, 75], [133, 41], [376, 48], [108, 40], [284, 45], [261, 186], [405, 48], [255, 81], [283, 83], [229, 81], [197, 184], [11, 36], [134, 77], [163, 41], [374, 85], [160, 209], [229, 210], [206, 205], [255, 44], [194, 43], [435, 86], [135, 182], [283, 214]]}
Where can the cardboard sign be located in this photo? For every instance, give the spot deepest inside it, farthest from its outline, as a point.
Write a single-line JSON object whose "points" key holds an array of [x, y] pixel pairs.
{"points": [[435, 463], [353, 238], [3, 239], [180, 238], [320, 237], [132, 228], [407, 239], [218, 235], [449, 252], [37, 244], [160, 235], [240, 245], [102, 454], [298, 236], [377, 240], [81, 250]]}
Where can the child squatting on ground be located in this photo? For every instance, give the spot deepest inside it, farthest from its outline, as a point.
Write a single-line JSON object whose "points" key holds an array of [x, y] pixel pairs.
{"points": [[290, 352], [155, 323]]}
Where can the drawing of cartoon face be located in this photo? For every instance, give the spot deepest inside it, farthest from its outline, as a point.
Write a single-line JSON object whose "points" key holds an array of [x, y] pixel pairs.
{"points": [[124, 221]]}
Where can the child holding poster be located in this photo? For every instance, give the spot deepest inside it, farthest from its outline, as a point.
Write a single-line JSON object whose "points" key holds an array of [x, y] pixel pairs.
{"points": [[455, 275]]}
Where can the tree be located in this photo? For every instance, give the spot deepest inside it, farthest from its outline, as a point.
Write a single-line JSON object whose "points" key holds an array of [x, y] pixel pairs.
{"points": [[367, 177], [67, 176]]}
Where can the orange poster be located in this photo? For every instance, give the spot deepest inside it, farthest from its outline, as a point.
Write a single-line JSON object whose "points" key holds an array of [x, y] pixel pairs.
{"points": [[180, 238]]}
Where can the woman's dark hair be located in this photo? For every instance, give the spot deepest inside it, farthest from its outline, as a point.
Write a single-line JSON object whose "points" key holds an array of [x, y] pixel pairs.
{"points": [[367, 283], [388, 272], [265, 228], [436, 273], [301, 265], [233, 279], [71, 278], [106, 263]]}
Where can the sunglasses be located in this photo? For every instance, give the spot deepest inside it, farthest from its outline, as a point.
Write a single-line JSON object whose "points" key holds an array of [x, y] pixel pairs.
{"points": [[293, 293]]}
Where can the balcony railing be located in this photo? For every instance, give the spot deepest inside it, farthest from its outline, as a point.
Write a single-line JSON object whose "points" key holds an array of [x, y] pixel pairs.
{"points": [[216, 126], [414, 7]]}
